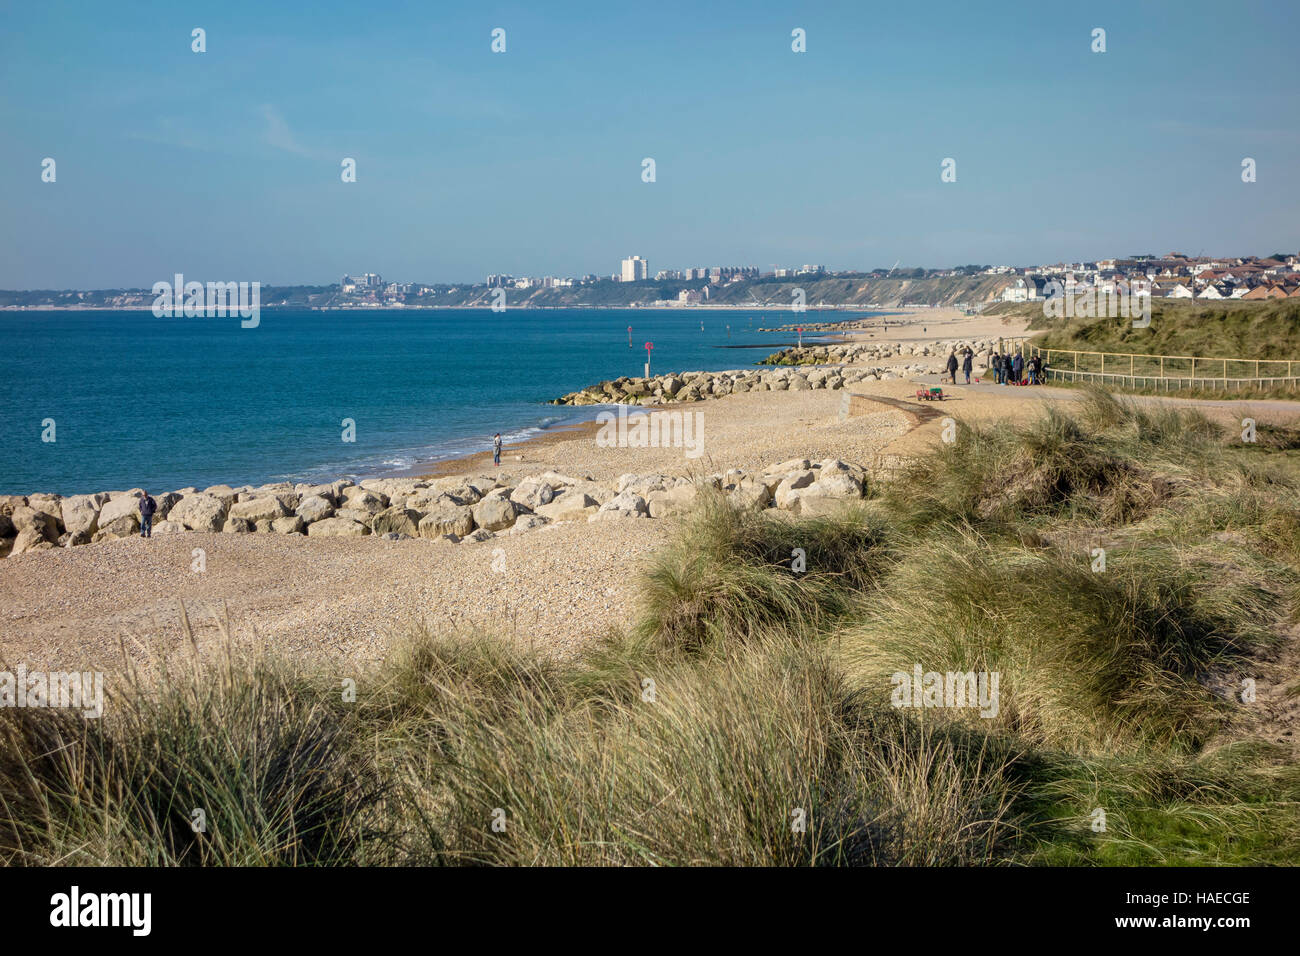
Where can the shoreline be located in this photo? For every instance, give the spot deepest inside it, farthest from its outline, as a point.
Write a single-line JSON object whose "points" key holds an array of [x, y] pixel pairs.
{"points": [[480, 462], [941, 317]]}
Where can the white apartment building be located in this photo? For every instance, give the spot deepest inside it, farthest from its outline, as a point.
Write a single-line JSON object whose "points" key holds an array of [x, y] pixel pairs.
{"points": [[635, 269]]}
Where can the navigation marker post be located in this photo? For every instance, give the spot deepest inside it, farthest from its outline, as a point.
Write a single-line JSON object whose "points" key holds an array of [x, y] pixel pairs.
{"points": [[649, 347], [629, 336]]}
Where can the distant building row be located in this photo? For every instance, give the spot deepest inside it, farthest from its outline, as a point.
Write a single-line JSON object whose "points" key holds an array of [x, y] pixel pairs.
{"points": [[1174, 276]]}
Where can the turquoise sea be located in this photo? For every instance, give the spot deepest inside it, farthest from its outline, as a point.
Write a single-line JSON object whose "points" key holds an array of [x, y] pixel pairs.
{"points": [[168, 402]]}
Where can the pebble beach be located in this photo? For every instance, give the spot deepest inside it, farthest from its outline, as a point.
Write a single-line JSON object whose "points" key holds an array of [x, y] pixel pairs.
{"points": [[558, 586]]}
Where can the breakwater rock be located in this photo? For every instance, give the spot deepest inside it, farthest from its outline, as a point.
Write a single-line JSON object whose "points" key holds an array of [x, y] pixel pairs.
{"points": [[681, 387], [456, 509], [854, 353]]}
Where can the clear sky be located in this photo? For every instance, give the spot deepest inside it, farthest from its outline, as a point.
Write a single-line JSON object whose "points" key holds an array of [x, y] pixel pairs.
{"points": [[225, 165]]}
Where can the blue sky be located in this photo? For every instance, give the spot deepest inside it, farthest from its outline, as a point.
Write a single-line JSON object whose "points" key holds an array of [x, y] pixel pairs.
{"points": [[225, 165]]}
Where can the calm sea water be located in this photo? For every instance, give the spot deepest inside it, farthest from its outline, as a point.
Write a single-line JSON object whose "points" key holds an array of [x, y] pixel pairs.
{"points": [[165, 403]]}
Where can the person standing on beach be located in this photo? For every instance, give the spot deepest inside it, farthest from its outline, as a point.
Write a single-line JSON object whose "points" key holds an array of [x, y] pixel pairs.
{"points": [[967, 361], [952, 367], [1017, 369], [496, 449], [147, 507]]}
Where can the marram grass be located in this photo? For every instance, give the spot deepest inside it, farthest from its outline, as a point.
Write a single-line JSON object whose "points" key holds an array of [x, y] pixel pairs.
{"points": [[746, 717]]}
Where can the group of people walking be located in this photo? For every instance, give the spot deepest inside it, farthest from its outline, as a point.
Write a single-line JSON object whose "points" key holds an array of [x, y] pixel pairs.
{"points": [[967, 362], [1006, 369]]}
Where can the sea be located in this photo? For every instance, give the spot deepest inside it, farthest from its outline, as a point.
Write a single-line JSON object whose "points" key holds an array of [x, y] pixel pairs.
{"points": [[100, 401]]}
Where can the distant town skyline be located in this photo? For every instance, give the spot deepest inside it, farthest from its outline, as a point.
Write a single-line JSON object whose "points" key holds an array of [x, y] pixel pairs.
{"points": [[1173, 275], [233, 163]]}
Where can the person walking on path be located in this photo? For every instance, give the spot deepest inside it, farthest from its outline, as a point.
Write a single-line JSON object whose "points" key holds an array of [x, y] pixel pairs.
{"points": [[147, 507], [967, 360], [952, 367], [496, 449]]}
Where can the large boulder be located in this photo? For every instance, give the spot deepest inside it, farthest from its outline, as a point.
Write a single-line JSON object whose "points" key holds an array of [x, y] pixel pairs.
{"points": [[116, 507], [836, 484], [626, 504], [259, 509], [10, 502], [447, 518], [673, 501], [51, 505], [527, 523], [749, 493], [336, 528], [456, 490], [123, 526], [223, 492], [315, 508], [643, 484], [363, 499], [168, 527], [291, 524], [494, 514], [201, 512], [355, 514], [393, 487], [532, 493], [557, 480], [238, 526], [396, 521], [571, 506], [81, 514], [40, 524], [30, 539], [599, 491], [784, 468], [787, 489], [305, 491]]}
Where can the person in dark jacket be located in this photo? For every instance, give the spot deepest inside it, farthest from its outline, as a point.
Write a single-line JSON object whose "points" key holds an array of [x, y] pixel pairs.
{"points": [[1017, 369], [147, 507], [967, 361], [952, 367]]}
